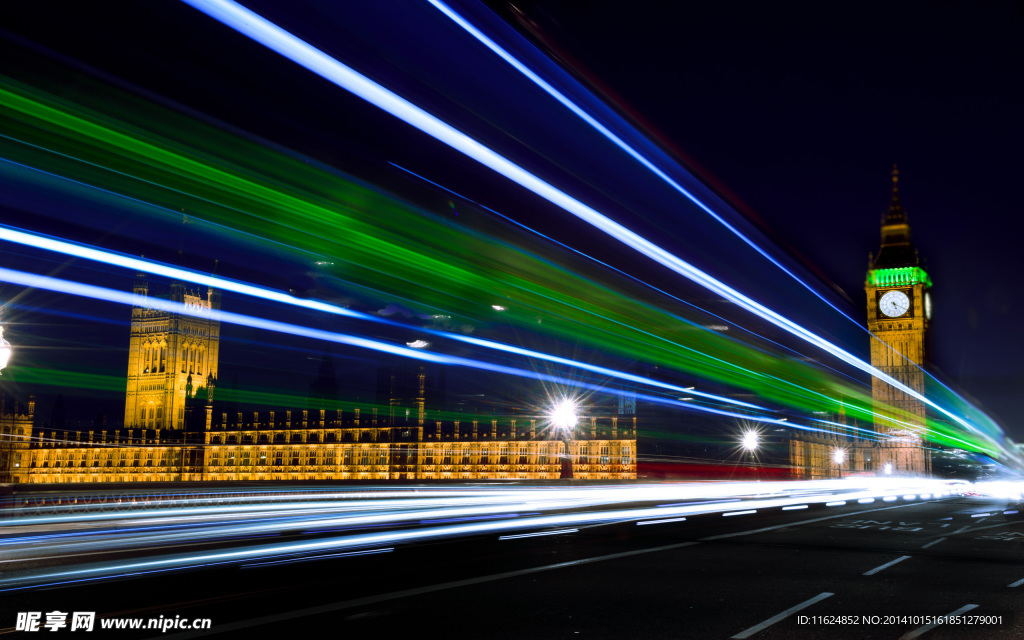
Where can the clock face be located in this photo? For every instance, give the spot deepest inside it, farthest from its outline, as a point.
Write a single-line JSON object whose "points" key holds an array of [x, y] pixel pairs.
{"points": [[894, 304]]}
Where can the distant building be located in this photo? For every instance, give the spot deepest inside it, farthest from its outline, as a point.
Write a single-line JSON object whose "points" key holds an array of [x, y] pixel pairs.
{"points": [[899, 313], [167, 352], [176, 430], [15, 434]]}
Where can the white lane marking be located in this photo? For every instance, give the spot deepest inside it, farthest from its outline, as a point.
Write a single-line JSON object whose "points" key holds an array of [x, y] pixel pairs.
{"points": [[1016, 584], [395, 595], [798, 506], [782, 616], [537, 534], [885, 566], [643, 522], [835, 504], [1010, 512], [796, 524], [960, 530], [937, 541], [981, 515], [740, 513], [910, 635]]}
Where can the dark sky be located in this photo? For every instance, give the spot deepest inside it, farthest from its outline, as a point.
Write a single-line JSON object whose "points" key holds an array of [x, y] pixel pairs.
{"points": [[794, 112], [799, 110]]}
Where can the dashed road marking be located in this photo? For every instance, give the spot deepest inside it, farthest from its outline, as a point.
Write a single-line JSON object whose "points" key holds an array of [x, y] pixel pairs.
{"points": [[782, 616], [886, 565], [937, 541]]}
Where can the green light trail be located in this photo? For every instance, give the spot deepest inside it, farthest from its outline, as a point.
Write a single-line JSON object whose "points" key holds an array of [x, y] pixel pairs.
{"points": [[145, 161]]}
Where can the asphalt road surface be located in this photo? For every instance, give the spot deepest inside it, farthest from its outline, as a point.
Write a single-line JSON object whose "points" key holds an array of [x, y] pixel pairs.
{"points": [[948, 568]]}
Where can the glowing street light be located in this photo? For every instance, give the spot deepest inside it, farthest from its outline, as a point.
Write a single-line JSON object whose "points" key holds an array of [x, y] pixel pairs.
{"points": [[839, 456], [563, 417], [749, 440], [5, 351], [887, 468]]}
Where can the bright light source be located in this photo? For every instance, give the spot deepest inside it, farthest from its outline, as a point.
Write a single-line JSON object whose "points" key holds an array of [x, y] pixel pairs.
{"points": [[418, 344], [887, 468], [497, 307], [5, 350], [749, 440], [563, 414], [838, 455]]}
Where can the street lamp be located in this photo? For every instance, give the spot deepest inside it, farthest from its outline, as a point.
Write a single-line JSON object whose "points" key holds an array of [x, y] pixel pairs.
{"points": [[749, 440], [5, 351], [563, 417], [839, 457]]}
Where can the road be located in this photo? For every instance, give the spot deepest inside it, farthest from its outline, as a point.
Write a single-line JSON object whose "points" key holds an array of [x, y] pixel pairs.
{"points": [[878, 570]]}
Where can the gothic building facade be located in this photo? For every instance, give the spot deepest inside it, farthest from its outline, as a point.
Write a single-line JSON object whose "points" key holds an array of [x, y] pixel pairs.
{"points": [[898, 317], [176, 431], [899, 312], [166, 353]]}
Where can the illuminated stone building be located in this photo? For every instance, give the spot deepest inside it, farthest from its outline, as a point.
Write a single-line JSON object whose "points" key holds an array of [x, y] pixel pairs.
{"points": [[15, 434], [898, 312], [166, 352], [172, 366]]}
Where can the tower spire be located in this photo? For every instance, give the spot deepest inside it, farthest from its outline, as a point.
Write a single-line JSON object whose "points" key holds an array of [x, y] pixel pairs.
{"points": [[897, 249], [896, 214]]}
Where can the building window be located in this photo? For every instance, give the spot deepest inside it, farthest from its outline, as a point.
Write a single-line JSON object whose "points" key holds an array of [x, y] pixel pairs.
{"points": [[625, 455], [447, 459], [604, 455], [522, 454], [503, 456]]}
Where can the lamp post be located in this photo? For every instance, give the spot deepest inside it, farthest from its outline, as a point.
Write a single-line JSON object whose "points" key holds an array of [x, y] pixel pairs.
{"points": [[563, 418]]}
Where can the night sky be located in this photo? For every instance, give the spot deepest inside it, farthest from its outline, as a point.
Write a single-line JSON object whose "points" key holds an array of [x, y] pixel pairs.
{"points": [[800, 110], [794, 114]]}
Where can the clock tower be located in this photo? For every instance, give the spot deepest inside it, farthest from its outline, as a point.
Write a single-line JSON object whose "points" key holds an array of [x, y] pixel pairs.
{"points": [[899, 312]]}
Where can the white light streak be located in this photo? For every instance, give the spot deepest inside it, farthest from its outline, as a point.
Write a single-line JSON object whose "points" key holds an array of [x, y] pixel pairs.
{"points": [[288, 45]]}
